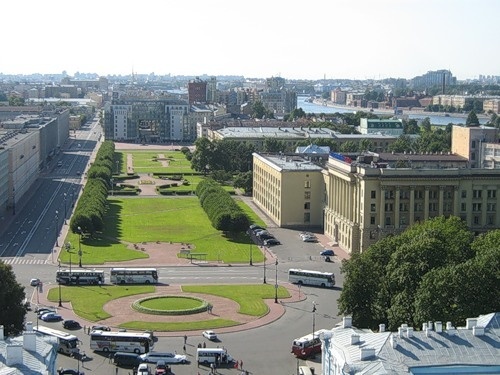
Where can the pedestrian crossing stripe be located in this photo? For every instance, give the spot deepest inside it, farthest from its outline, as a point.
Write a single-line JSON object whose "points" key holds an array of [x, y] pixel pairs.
{"points": [[23, 260]]}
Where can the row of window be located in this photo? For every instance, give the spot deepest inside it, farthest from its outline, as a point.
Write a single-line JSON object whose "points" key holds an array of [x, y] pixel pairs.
{"points": [[433, 194], [476, 220]]}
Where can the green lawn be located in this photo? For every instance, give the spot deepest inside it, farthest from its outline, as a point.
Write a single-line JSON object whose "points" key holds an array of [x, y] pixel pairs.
{"points": [[146, 161], [88, 302], [176, 219]]}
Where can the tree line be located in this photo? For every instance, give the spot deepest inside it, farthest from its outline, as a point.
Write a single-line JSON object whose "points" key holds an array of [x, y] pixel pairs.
{"points": [[437, 270]]}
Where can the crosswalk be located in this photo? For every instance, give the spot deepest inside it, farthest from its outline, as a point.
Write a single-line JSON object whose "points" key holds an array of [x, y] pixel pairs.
{"points": [[23, 260]]}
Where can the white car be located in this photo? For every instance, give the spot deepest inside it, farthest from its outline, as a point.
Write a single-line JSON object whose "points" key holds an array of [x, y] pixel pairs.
{"points": [[210, 335], [154, 357], [35, 282]]}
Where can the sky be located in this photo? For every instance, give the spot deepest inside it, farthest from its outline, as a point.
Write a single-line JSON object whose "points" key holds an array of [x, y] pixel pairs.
{"points": [[314, 39]]}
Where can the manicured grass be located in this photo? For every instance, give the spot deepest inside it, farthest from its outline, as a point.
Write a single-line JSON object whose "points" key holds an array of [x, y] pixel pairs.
{"points": [[145, 162], [171, 303], [88, 301], [180, 326], [249, 297]]}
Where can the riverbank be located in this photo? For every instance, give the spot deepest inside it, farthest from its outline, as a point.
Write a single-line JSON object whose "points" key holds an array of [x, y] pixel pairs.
{"points": [[383, 111]]}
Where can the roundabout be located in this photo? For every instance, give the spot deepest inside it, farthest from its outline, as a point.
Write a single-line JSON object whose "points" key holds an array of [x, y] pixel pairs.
{"points": [[170, 305]]}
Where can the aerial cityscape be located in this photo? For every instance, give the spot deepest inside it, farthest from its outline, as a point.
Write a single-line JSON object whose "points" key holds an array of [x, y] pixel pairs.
{"points": [[194, 188]]}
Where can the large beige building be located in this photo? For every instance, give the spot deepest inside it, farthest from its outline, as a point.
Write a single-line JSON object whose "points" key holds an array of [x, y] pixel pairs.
{"points": [[367, 196]]}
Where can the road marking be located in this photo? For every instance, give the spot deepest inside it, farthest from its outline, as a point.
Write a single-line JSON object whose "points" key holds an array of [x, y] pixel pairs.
{"points": [[23, 260]]}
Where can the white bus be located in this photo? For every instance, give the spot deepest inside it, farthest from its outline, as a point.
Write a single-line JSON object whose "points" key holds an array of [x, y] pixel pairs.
{"points": [[133, 342], [80, 277], [66, 342], [134, 276], [305, 277], [213, 355]]}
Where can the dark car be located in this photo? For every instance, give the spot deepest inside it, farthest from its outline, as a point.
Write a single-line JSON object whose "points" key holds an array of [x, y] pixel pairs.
{"points": [[265, 237], [69, 371], [161, 368], [101, 328], [327, 253], [255, 227], [271, 242], [71, 324]]}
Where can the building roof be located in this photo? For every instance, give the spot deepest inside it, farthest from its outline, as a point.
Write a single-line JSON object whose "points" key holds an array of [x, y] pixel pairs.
{"points": [[284, 162], [423, 352]]}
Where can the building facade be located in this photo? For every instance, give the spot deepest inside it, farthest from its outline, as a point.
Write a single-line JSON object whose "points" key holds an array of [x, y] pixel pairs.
{"points": [[381, 126], [148, 120]]}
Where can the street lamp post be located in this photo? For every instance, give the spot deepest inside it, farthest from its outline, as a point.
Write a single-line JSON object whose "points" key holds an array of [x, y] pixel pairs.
{"points": [[314, 317], [57, 231], [264, 269], [276, 285], [60, 300], [251, 261], [13, 201], [65, 211], [79, 247]]}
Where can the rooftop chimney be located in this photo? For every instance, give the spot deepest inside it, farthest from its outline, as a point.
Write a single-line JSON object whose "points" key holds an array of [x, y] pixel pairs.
{"points": [[471, 323], [438, 326], [478, 331], [409, 332], [29, 338], [366, 353], [354, 339], [14, 354], [393, 341], [347, 322], [381, 327], [2, 337]]}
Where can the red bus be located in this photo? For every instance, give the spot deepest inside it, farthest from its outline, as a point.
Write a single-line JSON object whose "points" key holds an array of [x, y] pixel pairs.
{"points": [[307, 346]]}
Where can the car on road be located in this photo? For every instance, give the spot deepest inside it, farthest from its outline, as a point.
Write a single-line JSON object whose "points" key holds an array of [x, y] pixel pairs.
{"points": [[69, 371], [154, 357], [255, 227], [327, 253], [271, 242], [211, 335], [262, 232], [71, 324], [143, 369], [43, 311], [51, 317], [161, 368], [100, 328], [35, 282], [309, 239]]}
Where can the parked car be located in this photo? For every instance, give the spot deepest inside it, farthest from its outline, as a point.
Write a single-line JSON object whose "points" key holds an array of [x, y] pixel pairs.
{"points": [[306, 234], [51, 317], [126, 359], [255, 227], [309, 239], [266, 237], [154, 357], [100, 328], [210, 335], [327, 253], [69, 371], [262, 232], [271, 242], [35, 282], [44, 310], [71, 324]]}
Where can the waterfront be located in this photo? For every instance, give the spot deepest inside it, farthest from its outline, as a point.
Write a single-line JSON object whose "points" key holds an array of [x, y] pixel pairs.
{"points": [[436, 119]]}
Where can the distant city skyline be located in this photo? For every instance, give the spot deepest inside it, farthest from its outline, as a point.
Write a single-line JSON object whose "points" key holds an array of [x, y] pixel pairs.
{"points": [[335, 39]]}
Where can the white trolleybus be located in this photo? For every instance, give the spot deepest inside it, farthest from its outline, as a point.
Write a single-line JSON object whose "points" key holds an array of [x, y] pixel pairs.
{"points": [[80, 277], [213, 355], [111, 341], [134, 276], [317, 278], [66, 342]]}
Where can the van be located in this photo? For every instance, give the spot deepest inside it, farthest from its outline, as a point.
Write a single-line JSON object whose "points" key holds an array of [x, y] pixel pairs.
{"points": [[126, 359], [213, 355]]}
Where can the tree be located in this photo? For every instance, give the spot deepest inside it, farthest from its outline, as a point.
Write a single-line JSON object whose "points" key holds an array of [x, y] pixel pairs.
{"points": [[244, 181], [258, 110], [472, 119], [12, 294], [381, 284]]}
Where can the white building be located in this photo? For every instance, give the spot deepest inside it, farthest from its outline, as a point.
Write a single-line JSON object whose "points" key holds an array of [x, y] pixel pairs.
{"points": [[435, 349], [27, 354]]}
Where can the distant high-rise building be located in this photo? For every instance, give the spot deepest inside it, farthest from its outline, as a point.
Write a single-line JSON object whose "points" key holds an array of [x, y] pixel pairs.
{"points": [[441, 78], [197, 91]]}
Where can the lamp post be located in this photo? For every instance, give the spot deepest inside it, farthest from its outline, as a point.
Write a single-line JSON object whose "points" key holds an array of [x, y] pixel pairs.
{"points": [[314, 316], [251, 262], [80, 247], [112, 186], [276, 285], [60, 300], [65, 211], [117, 167], [13, 201], [264, 282], [57, 224]]}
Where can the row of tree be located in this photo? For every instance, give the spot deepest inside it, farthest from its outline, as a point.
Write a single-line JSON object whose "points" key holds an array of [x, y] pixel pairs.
{"points": [[437, 270], [221, 208], [89, 213]]}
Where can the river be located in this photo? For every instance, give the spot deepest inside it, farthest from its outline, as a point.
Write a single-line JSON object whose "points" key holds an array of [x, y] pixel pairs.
{"points": [[435, 119]]}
